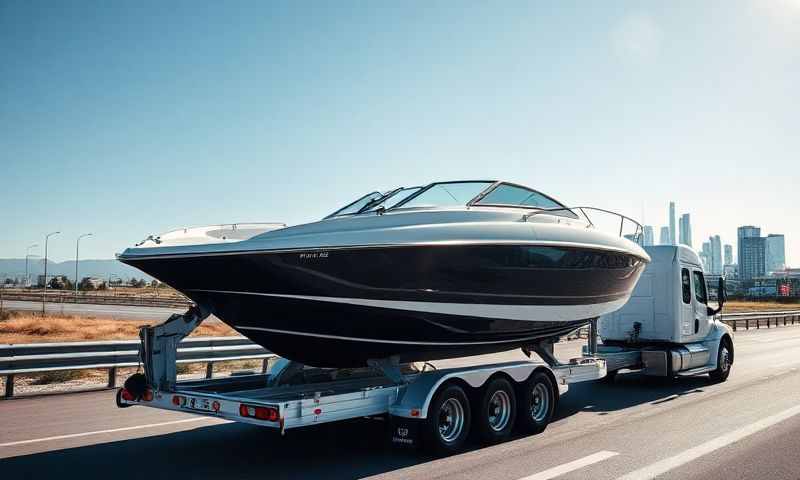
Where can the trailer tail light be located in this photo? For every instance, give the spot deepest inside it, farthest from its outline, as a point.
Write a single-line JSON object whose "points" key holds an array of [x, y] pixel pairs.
{"points": [[126, 395], [215, 406], [178, 400], [269, 414], [148, 395]]}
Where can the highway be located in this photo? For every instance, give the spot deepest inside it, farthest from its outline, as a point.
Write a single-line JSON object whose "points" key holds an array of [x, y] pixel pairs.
{"points": [[636, 427]]}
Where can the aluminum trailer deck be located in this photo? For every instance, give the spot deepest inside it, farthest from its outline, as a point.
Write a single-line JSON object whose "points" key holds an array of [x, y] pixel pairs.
{"points": [[437, 408]]}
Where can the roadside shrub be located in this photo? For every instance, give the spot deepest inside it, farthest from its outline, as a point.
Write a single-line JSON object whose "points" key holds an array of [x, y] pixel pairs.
{"points": [[60, 376]]}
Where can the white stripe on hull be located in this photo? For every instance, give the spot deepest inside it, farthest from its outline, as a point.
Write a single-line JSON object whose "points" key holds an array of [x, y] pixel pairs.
{"points": [[531, 313], [378, 340]]}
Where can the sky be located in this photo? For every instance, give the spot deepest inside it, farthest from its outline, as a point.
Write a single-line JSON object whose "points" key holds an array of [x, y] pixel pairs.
{"points": [[126, 118]]}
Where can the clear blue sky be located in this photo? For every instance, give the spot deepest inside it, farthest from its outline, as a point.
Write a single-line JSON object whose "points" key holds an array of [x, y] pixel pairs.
{"points": [[131, 118]]}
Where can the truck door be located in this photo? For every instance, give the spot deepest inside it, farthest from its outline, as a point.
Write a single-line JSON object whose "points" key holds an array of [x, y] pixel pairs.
{"points": [[701, 325], [686, 310]]}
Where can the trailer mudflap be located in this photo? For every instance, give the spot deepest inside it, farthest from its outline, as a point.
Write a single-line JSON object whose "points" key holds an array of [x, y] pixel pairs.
{"points": [[404, 432]]}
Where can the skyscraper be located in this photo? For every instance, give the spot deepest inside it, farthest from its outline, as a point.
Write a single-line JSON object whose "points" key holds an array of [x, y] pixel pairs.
{"points": [[685, 230], [775, 252], [705, 256], [716, 255], [751, 252], [672, 223], [664, 237], [648, 237], [728, 255]]}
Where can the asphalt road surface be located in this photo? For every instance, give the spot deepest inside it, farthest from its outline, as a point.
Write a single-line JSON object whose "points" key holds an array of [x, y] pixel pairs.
{"points": [[121, 312], [637, 427]]}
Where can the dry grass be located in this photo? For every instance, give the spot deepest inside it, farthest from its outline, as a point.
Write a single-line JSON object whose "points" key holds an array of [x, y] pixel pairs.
{"points": [[24, 327], [739, 306]]}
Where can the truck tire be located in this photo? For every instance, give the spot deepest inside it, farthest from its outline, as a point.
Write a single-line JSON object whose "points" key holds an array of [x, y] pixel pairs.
{"points": [[496, 411], [447, 426], [537, 403], [723, 363]]}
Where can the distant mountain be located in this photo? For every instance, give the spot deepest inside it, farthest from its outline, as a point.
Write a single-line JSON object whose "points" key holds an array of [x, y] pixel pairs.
{"points": [[15, 267]]}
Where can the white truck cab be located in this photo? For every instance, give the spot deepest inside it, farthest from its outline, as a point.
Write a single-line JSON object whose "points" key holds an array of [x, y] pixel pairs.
{"points": [[667, 327]]}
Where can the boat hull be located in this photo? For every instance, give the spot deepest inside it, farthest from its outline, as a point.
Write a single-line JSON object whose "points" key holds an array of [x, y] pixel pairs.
{"points": [[340, 307]]}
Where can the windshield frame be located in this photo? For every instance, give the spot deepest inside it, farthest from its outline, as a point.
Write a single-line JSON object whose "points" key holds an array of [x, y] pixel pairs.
{"points": [[492, 184], [362, 197], [567, 211]]}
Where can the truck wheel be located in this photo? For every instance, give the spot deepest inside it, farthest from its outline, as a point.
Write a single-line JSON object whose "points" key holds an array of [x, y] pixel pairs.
{"points": [[723, 363], [447, 426], [497, 411], [537, 403]]}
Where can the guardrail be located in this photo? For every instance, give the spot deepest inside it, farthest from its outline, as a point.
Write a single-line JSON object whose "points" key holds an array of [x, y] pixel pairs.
{"points": [[69, 297], [48, 357], [17, 359], [759, 319]]}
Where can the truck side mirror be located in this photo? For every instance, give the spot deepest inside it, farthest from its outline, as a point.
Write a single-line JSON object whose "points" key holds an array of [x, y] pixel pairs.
{"points": [[722, 296]]}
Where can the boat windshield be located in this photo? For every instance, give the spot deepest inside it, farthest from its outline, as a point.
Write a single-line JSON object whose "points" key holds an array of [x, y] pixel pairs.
{"points": [[392, 199], [356, 206], [510, 195], [446, 194]]}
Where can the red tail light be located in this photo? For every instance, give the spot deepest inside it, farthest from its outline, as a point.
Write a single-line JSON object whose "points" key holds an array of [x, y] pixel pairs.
{"points": [[148, 395], [269, 414], [178, 400], [126, 395]]}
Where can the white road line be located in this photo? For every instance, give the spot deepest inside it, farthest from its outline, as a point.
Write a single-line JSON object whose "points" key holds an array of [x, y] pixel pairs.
{"points": [[99, 432], [663, 466], [571, 466]]}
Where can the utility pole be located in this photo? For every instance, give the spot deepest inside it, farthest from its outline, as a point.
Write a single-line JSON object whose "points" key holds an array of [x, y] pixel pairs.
{"points": [[44, 290], [77, 249], [28, 255]]}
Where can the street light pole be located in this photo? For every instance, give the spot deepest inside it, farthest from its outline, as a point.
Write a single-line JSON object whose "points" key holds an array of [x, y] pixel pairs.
{"points": [[28, 255], [77, 249], [44, 290]]}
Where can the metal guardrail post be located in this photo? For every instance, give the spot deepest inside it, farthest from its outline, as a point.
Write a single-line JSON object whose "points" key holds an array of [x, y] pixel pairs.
{"points": [[209, 369], [112, 377], [747, 324], [9, 386], [264, 365], [735, 322], [758, 324]]}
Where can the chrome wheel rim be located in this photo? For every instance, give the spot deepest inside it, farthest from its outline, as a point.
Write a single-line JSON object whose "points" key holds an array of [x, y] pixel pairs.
{"points": [[451, 420], [499, 410], [724, 360], [540, 402]]}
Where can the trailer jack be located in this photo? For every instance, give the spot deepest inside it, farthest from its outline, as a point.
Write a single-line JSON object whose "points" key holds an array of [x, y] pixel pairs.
{"points": [[159, 347]]}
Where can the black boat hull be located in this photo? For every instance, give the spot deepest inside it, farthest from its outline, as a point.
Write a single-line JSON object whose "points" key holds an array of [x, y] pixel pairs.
{"points": [[340, 307]]}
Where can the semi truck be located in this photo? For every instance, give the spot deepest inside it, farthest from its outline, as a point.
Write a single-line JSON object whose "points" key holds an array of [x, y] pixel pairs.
{"points": [[666, 329]]}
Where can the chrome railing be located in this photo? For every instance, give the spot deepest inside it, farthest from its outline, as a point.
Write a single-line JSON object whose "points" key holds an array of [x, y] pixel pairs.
{"points": [[638, 232]]}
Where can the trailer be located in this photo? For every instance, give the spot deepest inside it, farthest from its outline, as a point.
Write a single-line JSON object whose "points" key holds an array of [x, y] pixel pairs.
{"points": [[436, 409]]}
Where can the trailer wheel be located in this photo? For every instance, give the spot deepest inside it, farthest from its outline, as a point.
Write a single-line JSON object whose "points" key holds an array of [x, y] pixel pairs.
{"points": [[537, 403], [723, 363], [497, 411], [447, 426]]}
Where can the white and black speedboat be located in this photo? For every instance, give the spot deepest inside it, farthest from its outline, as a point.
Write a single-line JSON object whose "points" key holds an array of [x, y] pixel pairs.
{"points": [[448, 269]]}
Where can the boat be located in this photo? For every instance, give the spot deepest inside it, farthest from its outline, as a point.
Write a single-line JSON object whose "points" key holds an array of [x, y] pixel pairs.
{"points": [[420, 273]]}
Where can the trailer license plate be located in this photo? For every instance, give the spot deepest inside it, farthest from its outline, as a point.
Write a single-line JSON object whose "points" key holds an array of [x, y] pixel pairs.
{"points": [[202, 404]]}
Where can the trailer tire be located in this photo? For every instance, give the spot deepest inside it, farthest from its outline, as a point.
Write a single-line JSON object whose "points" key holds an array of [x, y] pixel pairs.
{"points": [[537, 403], [448, 423], [496, 411], [724, 363]]}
